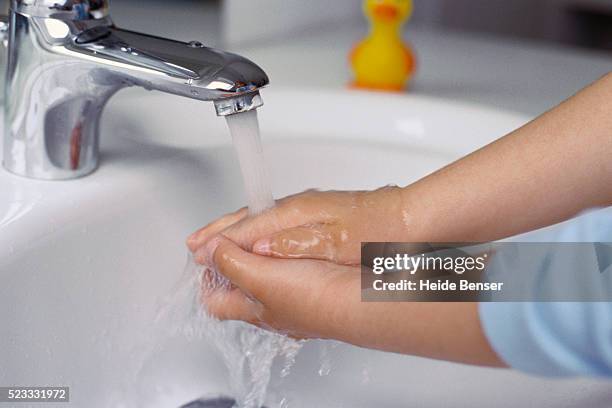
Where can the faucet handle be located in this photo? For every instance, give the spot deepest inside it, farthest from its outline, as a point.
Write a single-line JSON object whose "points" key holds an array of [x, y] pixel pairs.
{"points": [[73, 10]]}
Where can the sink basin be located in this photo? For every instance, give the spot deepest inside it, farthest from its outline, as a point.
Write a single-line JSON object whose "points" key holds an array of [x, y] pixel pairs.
{"points": [[84, 263]]}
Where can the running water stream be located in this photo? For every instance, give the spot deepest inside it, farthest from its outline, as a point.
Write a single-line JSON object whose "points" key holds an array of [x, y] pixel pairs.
{"points": [[249, 352], [244, 128]]}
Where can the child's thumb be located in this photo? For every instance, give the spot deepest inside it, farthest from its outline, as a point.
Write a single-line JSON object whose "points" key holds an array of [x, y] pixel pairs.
{"points": [[242, 268]]}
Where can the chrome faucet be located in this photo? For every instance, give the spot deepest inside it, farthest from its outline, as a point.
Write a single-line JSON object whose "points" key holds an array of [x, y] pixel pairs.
{"points": [[66, 59]]}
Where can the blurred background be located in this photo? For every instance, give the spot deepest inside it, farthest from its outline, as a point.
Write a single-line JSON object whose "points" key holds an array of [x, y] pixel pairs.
{"points": [[586, 23], [523, 55]]}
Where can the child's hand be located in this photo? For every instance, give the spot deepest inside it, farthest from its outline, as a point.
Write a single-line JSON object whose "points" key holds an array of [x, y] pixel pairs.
{"points": [[301, 298], [307, 298], [315, 225]]}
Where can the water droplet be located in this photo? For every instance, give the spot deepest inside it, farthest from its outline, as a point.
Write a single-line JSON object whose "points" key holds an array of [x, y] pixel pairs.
{"points": [[407, 218], [365, 376], [196, 44], [325, 370], [285, 371], [326, 358]]}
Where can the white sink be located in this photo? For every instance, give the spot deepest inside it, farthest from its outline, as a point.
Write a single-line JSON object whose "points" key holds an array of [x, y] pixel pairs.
{"points": [[84, 263]]}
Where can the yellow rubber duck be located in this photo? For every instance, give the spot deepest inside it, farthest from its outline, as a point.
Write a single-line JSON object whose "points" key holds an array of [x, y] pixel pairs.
{"points": [[382, 60]]}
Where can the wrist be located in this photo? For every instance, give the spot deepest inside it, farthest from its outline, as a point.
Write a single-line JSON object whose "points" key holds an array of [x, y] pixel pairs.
{"points": [[413, 215]]}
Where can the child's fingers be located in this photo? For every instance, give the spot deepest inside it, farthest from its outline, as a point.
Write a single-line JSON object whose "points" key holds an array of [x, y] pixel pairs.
{"points": [[250, 229], [244, 269], [289, 212], [199, 238], [233, 305], [316, 242]]}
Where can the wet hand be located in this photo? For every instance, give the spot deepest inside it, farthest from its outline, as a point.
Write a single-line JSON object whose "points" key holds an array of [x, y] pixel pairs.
{"points": [[314, 298], [313, 225], [301, 298]]}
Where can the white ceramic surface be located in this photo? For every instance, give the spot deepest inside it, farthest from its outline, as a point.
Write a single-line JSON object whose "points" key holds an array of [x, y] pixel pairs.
{"points": [[84, 263]]}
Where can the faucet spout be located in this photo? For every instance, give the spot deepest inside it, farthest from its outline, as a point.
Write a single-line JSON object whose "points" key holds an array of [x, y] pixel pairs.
{"points": [[189, 69], [65, 62]]}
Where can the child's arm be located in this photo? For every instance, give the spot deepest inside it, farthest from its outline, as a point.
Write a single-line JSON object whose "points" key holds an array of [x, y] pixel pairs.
{"points": [[547, 171]]}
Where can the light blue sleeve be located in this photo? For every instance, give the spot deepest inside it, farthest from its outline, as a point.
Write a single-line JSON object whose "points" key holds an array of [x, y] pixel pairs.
{"points": [[557, 339]]}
